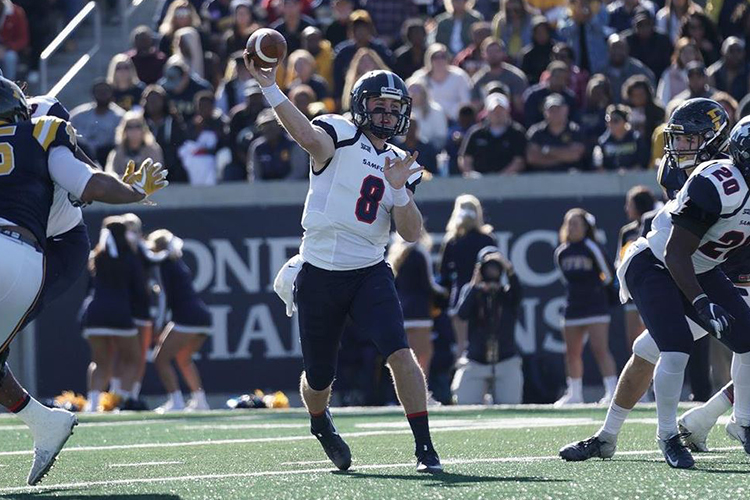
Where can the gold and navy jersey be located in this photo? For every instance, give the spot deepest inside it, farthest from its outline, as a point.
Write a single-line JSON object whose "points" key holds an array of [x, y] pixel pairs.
{"points": [[25, 183]]}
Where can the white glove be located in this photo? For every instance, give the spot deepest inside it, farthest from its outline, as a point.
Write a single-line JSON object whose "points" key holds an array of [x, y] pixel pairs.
{"points": [[283, 285]]}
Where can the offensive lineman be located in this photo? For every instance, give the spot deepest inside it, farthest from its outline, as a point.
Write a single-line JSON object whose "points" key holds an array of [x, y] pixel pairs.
{"points": [[35, 155], [358, 184]]}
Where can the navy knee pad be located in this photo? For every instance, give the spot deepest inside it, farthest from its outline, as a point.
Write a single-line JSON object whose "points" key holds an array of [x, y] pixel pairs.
{"points": [[319, 378]]}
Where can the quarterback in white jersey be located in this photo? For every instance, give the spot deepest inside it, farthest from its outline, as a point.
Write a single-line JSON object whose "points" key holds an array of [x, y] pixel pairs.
{"points": [[358, 184]]}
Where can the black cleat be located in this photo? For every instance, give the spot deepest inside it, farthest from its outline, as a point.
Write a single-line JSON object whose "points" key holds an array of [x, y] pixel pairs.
{"points": [[131, 404], [676, 453], [593, 447], [333, 444], [429, 462]]}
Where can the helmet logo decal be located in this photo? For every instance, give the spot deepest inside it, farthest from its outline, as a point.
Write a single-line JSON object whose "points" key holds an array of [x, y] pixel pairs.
{"points": [[715, 116]]}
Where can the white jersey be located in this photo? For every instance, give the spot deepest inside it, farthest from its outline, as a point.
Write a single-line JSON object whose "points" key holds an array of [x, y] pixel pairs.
{"points": [[347, 216], [63, 216]]}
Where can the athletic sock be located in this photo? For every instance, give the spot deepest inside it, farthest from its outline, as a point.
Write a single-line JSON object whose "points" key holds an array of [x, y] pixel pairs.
{"points": [[93, 400], [420, 427], [741, 379], [575, 387], [31, 411], [668, 378], [136, 391], [320, 421], [716, 406], [610, 383], [177, 400], [616, 416], [115, 386], [199, 396]]}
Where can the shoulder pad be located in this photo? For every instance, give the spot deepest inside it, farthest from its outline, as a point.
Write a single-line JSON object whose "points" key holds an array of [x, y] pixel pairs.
{"points": [[50, 131], [45, 105], [342, 131]]}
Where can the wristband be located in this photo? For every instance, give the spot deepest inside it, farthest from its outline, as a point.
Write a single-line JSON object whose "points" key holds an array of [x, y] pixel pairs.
{"points": [[400, 197], [699, 298], [273, 95]]}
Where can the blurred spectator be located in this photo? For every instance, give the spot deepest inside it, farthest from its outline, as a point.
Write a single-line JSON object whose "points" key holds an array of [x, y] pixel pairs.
{"points": [[338, 30], [650, 47], [577, 78], [180, 14], [361, 36], [456, 134], [622, 13], [622, 66], [147, 59], [321, 50], [496, 146], [126, 87], [592, 119], [729, 104], [364, 60], [433, 122], [292, 23], [538, 54], [699, 28], [491, 364], [242, 25], [556, 144], [410, 56], [242, 131], [556, 84], [303, 96], [553, 10], [133, 141], [412, 142], [725, 14], [674, 79], [586, 35], [96, 121], [454, 26], [448, 86], [669, 19], [181, 85], [41, 31], [471, 58], [14, 37], [274, 9], [743, 108], [218, 13], [187, 45], [513, 25], [741, 23], [496, 70], [301, 71], [167, 127], [620, 147], [207, 135], [273, 155], [388, 16], [232, 89], [645, 114], [697, 85], [730, 73]]}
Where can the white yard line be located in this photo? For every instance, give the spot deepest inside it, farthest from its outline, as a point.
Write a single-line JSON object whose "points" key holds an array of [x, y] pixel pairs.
{"points": [[121, 482], [311, 462], [226, 427], [146, 463]]}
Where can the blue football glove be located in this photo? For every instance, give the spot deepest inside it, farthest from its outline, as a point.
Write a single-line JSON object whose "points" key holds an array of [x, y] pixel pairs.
{"points": [[713, 316]]}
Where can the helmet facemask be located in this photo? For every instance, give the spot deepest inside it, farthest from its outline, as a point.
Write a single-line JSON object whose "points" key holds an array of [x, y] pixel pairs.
{"points": [[364, 117], [688, 150]]}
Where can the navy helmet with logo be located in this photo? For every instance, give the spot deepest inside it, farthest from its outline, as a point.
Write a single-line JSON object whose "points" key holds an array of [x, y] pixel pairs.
{"points": [[739, 146], [13, 105], [705, 126], [382, 84]]}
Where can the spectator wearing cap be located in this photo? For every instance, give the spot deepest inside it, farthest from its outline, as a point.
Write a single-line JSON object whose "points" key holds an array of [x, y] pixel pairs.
{"points": [[448, 85], [231, 91], [498, 145], [454, 26], [620, 147], [234, 37], [14, 36], [471, 59], [167, 127], [556, 84], [674, 79], [337, 31], [622, 13], [273, 155], [97, 121], [181, 86], [388, 16], [410, 56], [242, 127], [321, 50], [413, 141], [497, 70], [730, 74], [513, 25], [537, 55], [647, 45], [147, 59], [467, 118], [292, 24], [698, 85], [586, 35], [431, 116], [556, 144], [622, 66], [361, 36]]}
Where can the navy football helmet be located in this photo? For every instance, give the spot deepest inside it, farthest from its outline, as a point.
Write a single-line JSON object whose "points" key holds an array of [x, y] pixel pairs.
{"points": [[13, 105], [383, 84], [739, 146], [704, 127]]}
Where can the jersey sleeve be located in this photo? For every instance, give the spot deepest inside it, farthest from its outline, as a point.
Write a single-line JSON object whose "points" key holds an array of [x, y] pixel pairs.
{"points": [[605, 268], [700, 206], [50, 132], [68, 172], [342, 131]]}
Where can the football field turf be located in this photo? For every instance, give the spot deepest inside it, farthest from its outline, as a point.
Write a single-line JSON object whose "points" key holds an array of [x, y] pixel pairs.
{"points": [[270, 454]]}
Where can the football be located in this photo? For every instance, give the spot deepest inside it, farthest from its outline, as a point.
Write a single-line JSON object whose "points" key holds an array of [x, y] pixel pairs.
{"points": [[266, 47]]}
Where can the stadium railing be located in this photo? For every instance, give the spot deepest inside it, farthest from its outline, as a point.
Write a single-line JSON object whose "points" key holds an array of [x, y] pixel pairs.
{"points": [[90, 9]]}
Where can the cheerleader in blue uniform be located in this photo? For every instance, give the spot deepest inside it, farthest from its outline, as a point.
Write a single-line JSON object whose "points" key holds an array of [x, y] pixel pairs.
{"points": [[188, 329], [588, 277], [118, 282]]}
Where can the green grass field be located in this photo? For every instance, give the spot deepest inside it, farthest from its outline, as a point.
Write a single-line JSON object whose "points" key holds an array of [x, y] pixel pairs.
{"points": [[269, 454]]}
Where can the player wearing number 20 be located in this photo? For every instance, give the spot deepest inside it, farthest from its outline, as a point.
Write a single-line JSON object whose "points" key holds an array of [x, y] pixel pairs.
{"points": [[673, 272], [358, 184]]}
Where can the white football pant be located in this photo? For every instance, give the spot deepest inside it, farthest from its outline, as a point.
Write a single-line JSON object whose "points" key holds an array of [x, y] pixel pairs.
{"points": [[21, 279]]}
